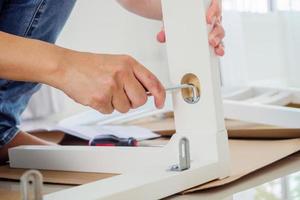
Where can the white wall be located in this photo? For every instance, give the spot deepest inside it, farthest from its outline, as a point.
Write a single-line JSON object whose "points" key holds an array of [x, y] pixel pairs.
{"points": [[261, 49], [292, 27], [103, 26], [233, 64], [264, 47]]}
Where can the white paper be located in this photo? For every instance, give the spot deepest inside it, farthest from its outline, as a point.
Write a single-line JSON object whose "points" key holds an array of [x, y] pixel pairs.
{"points": [[91, 123], [37, 125], [90, 131]]}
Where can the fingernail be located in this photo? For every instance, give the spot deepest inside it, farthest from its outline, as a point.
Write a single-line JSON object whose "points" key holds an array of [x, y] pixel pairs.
{"points": [[213, 21], [161, 37], [161, 106]]}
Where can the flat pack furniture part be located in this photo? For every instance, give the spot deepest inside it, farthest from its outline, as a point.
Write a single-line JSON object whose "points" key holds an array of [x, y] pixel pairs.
{"points": [[196, 154], [271, 106]]}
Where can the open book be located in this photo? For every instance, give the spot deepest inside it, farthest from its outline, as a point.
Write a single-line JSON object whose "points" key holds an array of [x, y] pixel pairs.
{"points": [[90, 124]]}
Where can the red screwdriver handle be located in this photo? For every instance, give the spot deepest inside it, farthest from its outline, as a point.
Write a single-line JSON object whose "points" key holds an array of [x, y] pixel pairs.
{"points": [[111, 140]]}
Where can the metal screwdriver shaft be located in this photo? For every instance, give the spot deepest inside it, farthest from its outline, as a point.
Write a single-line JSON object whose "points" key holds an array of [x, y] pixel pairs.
{"points": [[193, 99], [175, 88]]}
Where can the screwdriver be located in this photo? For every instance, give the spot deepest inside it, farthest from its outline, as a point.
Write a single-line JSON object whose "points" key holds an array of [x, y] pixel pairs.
{"points": [[111, 140]]}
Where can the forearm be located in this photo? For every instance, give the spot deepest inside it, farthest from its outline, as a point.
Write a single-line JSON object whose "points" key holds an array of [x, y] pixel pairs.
{"points": [[22, 138], [145, 8], [28, 60]]}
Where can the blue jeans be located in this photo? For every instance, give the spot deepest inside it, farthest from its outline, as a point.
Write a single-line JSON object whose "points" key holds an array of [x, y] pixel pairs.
{"points": [[37, 19]]}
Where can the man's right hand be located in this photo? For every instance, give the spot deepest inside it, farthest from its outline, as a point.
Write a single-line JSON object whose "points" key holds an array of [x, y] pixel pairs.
{"points": [[107, 82], [103, 82]]}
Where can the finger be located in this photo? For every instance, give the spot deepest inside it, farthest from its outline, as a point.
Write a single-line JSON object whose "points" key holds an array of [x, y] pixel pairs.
{"points": [[213, 12], [161, 37], [102, 102], [120, 101], [103, 108], [152, 84], [220, 50], [135, 92], [216, 36]]}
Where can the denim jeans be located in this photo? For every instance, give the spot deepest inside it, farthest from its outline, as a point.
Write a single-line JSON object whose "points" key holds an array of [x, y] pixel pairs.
{"points": [[36, 19]]}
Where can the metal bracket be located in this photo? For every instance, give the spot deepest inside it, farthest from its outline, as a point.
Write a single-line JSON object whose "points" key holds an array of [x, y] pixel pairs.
{"points": [[184, 156], [32, 185]]}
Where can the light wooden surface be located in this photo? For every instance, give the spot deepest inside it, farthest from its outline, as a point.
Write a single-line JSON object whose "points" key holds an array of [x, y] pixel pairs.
{"points": [[9, 190]]}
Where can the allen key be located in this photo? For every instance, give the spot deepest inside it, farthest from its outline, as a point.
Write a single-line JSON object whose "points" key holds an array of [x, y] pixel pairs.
{"points": [[192, 100]]}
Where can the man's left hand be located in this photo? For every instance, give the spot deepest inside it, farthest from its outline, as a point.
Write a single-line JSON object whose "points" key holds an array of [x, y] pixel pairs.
{"points": [[215, 37]]}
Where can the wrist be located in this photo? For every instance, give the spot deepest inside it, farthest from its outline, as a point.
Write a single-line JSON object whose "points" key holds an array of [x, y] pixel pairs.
{"points": [[57, 69]]}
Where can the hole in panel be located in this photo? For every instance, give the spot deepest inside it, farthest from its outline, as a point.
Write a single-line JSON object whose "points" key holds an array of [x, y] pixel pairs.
{"points": [[191, 95]]}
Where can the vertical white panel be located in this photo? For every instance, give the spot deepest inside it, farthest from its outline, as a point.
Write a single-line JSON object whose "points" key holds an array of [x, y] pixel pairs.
{"points": [[189, 52]]}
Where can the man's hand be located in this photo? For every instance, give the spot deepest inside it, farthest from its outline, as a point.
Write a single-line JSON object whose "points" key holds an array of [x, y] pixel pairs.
{"points": [[213, 18], [103, 82], [107, 82], [152, 9]]}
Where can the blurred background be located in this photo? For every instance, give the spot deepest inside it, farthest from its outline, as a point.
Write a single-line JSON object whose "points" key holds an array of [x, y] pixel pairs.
{"points": [[261, 45]]}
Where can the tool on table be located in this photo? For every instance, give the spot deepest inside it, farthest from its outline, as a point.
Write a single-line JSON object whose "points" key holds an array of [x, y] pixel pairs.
{"points": [[111, 140]]}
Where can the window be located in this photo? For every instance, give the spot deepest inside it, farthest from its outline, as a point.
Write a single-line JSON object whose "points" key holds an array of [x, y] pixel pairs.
{"points": [[261, 6], [293, 5]]}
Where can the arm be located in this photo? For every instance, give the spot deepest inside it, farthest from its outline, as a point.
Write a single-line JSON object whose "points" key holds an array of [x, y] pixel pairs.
{"points": [[103, 82], [27, 60], [146, 8], [95, 80]]}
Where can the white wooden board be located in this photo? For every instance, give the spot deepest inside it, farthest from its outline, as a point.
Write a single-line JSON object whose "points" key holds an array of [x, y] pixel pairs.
{"points": [[146, 169]]}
